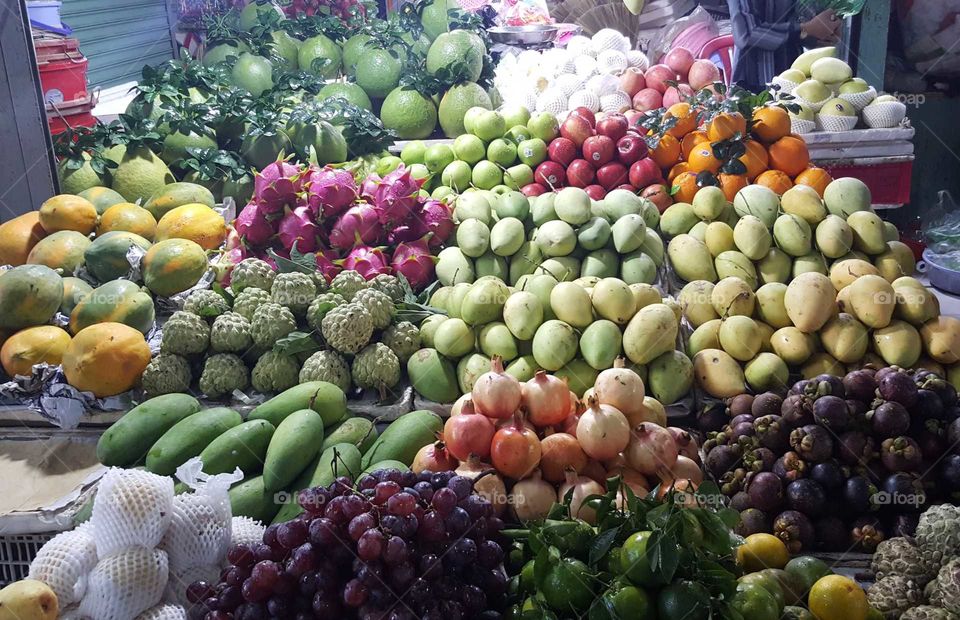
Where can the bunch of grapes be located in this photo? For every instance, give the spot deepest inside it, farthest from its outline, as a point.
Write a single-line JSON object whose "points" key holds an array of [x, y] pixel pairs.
{"points": [[395, 546]]}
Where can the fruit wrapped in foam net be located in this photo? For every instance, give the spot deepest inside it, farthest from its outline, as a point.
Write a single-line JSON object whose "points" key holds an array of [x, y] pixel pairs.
{"points": [[247, 531], [133, 509], [64, 562], [125, 585], [164, 612]]}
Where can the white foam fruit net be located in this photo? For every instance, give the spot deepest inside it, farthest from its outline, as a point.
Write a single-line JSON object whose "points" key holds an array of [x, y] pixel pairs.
{"points": [[164, 612], [247, 531], [125, 585], [64, 562], [176, 591], [133, 509]]}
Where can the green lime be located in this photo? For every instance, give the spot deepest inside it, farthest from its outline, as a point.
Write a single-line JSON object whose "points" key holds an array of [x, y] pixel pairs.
{"points": [[807, 571], [796, 613], [526, 577], [622, 601], [790, 586], [767, 582], [684, 599], [409, 114], [388, 164], [613, 561], [755, 603], [567, 586], [636, 562], [437, 157], [413, 152]]}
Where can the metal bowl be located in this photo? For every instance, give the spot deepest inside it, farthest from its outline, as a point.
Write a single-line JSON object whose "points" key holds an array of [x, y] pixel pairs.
{"points": [[523, 35]]}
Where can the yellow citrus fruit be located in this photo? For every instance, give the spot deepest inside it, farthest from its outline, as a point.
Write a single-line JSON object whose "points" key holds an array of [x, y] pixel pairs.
{"points": [[760, 551], [836, 597]]}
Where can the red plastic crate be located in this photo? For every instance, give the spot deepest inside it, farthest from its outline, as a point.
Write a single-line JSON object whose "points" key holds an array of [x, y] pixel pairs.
{"points": [[889, 183], [76, 113], [63, 69]]}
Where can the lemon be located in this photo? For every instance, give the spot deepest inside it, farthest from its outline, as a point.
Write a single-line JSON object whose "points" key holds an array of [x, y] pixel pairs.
{"points": [[760, 551], [836, 597]]}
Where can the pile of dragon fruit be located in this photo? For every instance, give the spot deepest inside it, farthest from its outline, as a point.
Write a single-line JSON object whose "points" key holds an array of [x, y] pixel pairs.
{"points": [[384, 226]]}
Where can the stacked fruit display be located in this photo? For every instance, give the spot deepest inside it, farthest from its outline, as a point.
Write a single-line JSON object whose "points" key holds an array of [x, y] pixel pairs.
{"points": [[675, 79], [840, 462]]}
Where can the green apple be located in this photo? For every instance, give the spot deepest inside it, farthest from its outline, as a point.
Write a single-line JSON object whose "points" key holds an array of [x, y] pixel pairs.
{"points": [[532, 152], [486, 175], [469, 148], [388, 164], [544, 125], [804, 113], [856, 85], [419, 171], [513, 204], [812, 91], [502, 153], [471, 116], [489, 125], [437, 157], [501, 190], [456, 175], [413, 152], [794, 75], [442, 191], [516, 177], [517, 134], [515, 115], [838, 107]]}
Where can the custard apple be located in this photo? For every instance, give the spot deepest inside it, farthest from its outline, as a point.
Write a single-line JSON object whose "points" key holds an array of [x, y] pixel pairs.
{"points": [[898, 556], [185, 333], [320, 306], [293, 290], [946, 593], [206, 303], [247, 302], [230, 333], [378, 304], [388, 284], [376, 367], [270, 323], [167, 373], [251, 272], [403, 339], [347, 328], [222, 374], [938, 536], [326, 366], [275, 372], [927, 612], [348, 283], [893, 595]]}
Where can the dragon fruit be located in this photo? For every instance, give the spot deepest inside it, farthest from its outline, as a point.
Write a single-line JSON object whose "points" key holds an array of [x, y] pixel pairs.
{"points": [[437, 218], [330, 191], [253, 225], [358, 225], [368, 188], [277, 186], [368, 262], [298, 227], [224, 264], [414, 261], [326, 265], [397, 196], [411, 231]]}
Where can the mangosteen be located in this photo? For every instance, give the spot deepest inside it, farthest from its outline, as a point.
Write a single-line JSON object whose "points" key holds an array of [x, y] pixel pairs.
{"points": [[766, 491], [798, 388], [825, 385], [904, 525], [797, 410], [883, 372], [901, 454], [740, 405], [858, 493], [902, 492], [740, 501], [722, 459], [753, 521], [759, 459], [856, 448], [931, 436], [795, 530], [813, 443], [860, 385], [832, 412], [767, 403], [858, 411], [889, 419], [935, 383], [866, 533], [829, 474], [953, 436], [712, 418], [741, 419], [733, 482], [831, 534], [807, 496], [950, 477], [772, 432], [898, 387], [928, 405], [790, 467]]}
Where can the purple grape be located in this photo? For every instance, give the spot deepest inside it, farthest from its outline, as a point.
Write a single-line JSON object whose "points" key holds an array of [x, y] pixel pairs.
{"points": [[302, 560], [444, 500], [199, 591], [432, 527], [292, 534], [384, 491], [254, 592], [230, 598], [325, 608], [270, 534], [489, 554], [308, 583], [457, 522], [402, 575], [424, 490], [265, 574], [360, 524], [241, 555], [401, 504], [323, 532], [395, 551], [370, 546], [366, 482], [460, 485], [279, 607], [355, 593], [262, 552]]}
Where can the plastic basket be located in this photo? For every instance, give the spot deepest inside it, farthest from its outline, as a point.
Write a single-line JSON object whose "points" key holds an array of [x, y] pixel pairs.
{"points": [[16, 554], [889, 183]]}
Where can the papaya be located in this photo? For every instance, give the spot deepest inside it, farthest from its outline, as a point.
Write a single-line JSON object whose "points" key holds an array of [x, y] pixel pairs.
{"points": [[119, 301], [175, 195], [106, 257], [34, 345], [68, 212], [132, 436], [173, 266], [294, 445], [106, 359], [62, 250], [250, 499], [29, 295], [325, 398], [102, 197], [243, 446], [404, 438], [74, 290], [356, 431], [18, 236], [196, 222], [342, 459], [188, 437], [130, 218]]}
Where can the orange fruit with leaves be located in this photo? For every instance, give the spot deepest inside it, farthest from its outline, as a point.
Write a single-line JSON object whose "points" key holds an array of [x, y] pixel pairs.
{"points": [[777, 180], [732, 183], [755, 159], [667, 152], [770, 124], [790, 155], [691, 140], [814, 177], [686, 119], [677, 170], [726, 125], [684, 187], [702, 158]]}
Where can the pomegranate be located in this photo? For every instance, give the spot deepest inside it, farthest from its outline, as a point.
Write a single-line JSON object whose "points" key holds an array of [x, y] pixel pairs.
{"points": [[559, 451], [468, 433], [686, 444], [433, 457], [495, 393], [621, 388], [546, 399], [603, 431], [532, 498], [515, 450], [582, 488], [652, 449]]}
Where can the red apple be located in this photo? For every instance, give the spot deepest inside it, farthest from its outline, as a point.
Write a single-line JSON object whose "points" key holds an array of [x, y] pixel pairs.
{"points": [[680, 60], [647, 99], [657, 77], [614, 126], [644, 172], [562, 150], [659, 195], [633, 117], [580, 173], [533, 189], [586, 113], [631, 149], [628, 187], [632, 81], [612, 175], [550, 174], [576, 129], [599, 150], [596, 192]]}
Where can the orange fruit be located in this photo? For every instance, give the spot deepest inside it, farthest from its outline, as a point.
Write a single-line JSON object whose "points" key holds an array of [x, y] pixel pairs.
{"points": [[732, 183], [725, 126], [814, 177], [667, 152], [770, 124], [685, 187], [789, 154], [686, 119], [702, 158], [755, 159], [777, 180], [691, 140], [677, 170]]}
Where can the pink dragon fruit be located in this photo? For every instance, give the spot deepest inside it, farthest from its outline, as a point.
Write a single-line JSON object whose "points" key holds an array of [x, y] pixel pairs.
{"points": [[368, 262], [414, 261], [298, 227], [224, 264], [411, 231], [277, 186], [330, 191], [396, 196], [358, 225], [326, 264], [368, 188], [437, 218], [253, 225]]}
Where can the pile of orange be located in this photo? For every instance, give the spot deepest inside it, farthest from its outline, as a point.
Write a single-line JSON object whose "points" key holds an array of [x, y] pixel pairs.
{"points": [[774, 157]]}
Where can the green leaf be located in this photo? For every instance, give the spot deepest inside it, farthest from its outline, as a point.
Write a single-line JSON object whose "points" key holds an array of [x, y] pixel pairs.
{"points": [[602, 544], [664, 554], [296, 343], [288, 265]]}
